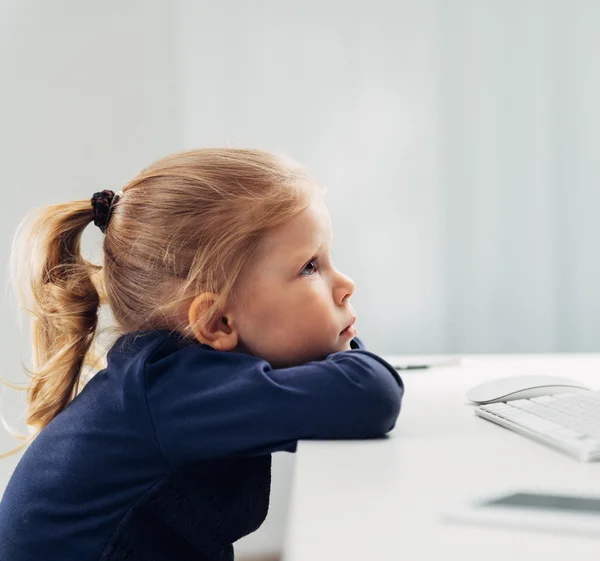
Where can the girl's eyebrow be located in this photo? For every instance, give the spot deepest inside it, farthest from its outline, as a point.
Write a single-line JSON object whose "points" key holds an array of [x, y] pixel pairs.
{"points": [[303, 255]]}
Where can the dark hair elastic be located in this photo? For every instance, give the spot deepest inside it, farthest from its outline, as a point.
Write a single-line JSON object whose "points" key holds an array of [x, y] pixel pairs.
{"points": [[103, 202]]}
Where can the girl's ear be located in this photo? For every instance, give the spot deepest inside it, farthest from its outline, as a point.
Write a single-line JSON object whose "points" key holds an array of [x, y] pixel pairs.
{"points": [[215, 330]]}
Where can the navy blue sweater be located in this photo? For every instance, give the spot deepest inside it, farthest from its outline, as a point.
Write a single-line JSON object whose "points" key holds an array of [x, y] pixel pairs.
{"points": [[165, 454]]}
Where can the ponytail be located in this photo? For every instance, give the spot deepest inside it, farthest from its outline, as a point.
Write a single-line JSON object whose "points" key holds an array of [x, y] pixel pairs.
{"points": [[55, 284]]}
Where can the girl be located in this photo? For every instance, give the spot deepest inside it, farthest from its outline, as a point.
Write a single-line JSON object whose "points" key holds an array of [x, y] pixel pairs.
{"points": [[236, 340]]}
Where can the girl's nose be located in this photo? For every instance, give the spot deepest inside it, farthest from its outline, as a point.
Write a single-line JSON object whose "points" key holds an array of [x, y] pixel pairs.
{"points": [[343, 289]]}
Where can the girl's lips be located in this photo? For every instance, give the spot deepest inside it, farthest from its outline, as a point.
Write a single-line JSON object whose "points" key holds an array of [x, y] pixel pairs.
{"points": [[349, 331]]}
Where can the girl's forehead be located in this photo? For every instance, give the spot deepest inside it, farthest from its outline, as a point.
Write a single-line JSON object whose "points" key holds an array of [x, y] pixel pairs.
{"points": [[306, 231], [313, 222]]}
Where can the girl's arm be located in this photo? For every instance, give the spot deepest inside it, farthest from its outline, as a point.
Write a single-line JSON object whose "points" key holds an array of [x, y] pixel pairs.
{"points": [[207, 404]]}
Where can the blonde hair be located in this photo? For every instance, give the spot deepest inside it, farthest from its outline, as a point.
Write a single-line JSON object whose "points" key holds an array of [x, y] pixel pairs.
{"points": [[187, 224]]}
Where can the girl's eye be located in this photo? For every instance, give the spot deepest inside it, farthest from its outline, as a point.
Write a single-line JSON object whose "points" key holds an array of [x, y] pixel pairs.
{"points": [[310, 268]]}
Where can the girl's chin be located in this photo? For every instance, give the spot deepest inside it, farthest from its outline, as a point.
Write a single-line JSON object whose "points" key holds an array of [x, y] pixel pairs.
{"points": [[302, 356]]}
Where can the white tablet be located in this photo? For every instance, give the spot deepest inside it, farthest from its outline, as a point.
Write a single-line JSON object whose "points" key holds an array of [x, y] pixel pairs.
{"points": [[553, 512]]}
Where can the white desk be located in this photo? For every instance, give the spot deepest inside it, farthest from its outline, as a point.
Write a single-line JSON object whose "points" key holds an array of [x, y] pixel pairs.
{"points": [[381, 499]]}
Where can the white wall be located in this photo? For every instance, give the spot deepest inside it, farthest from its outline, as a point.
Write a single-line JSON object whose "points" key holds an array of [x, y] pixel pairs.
{"points": [[519, 123]]}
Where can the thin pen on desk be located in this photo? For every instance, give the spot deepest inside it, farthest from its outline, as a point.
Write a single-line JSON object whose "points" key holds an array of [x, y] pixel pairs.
{"points": [[424, 366]]}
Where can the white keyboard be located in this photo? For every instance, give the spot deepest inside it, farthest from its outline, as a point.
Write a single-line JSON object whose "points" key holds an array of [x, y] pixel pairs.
{"points": [[567, 421]]}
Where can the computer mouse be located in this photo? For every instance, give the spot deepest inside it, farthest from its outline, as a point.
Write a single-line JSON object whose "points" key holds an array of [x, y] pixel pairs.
{"points": [[521, 387]]}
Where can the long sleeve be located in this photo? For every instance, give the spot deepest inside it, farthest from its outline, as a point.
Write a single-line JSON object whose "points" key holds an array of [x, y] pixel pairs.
{"points": [[206, 404]]}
